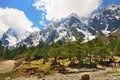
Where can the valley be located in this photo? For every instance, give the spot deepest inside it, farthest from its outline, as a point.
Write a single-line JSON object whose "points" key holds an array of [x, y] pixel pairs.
{"points": [[65, 49]]}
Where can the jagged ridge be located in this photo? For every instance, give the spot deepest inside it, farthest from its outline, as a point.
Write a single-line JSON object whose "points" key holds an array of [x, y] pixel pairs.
{"points": [[105, 21]]}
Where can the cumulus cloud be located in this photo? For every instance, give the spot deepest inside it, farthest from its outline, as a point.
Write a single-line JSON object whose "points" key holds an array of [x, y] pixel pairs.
{"points": [[13, 18], [57, 9]]}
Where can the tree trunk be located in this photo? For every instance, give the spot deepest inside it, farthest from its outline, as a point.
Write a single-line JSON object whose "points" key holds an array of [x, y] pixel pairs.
{"points": [[45, 59], [90, 58], [80, 59]]}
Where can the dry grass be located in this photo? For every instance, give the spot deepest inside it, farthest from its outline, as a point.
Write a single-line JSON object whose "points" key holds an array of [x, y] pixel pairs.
{"points": [[41, 69]]}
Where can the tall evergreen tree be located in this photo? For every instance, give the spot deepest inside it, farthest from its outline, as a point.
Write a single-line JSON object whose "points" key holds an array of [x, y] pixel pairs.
{"points": [[1, 49]]}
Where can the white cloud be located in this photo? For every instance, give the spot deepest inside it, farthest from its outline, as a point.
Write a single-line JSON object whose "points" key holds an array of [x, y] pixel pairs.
{"points": [[14, 18], [57, 9], [42, 22], [33, 29]]}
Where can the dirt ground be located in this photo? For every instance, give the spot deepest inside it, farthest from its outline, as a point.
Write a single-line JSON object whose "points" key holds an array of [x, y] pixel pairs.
{"points": [[107, 74], [6, 66]]}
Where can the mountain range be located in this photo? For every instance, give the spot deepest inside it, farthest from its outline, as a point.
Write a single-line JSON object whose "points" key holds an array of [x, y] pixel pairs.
{"points": [[104, 21]]}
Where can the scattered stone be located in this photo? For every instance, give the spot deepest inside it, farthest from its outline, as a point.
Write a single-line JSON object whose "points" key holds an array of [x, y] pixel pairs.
{"points": [[85, 77]]}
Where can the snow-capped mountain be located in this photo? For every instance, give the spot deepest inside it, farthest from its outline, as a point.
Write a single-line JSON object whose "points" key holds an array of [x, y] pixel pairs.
{"points": [[33, 39], [105, 21], [13, 36], [67, 29]]}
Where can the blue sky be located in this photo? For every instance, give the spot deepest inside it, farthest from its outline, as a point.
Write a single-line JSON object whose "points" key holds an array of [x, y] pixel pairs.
{"points": [[32, 13], [25, 6], [109, 2]]}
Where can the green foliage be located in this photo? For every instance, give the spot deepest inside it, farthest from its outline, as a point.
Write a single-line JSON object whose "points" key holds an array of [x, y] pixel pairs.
{"points": [[1, 49], [91, 51]]}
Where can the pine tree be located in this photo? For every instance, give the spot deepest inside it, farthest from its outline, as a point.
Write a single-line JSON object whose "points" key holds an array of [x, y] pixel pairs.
{"points": [[1, 49]]}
